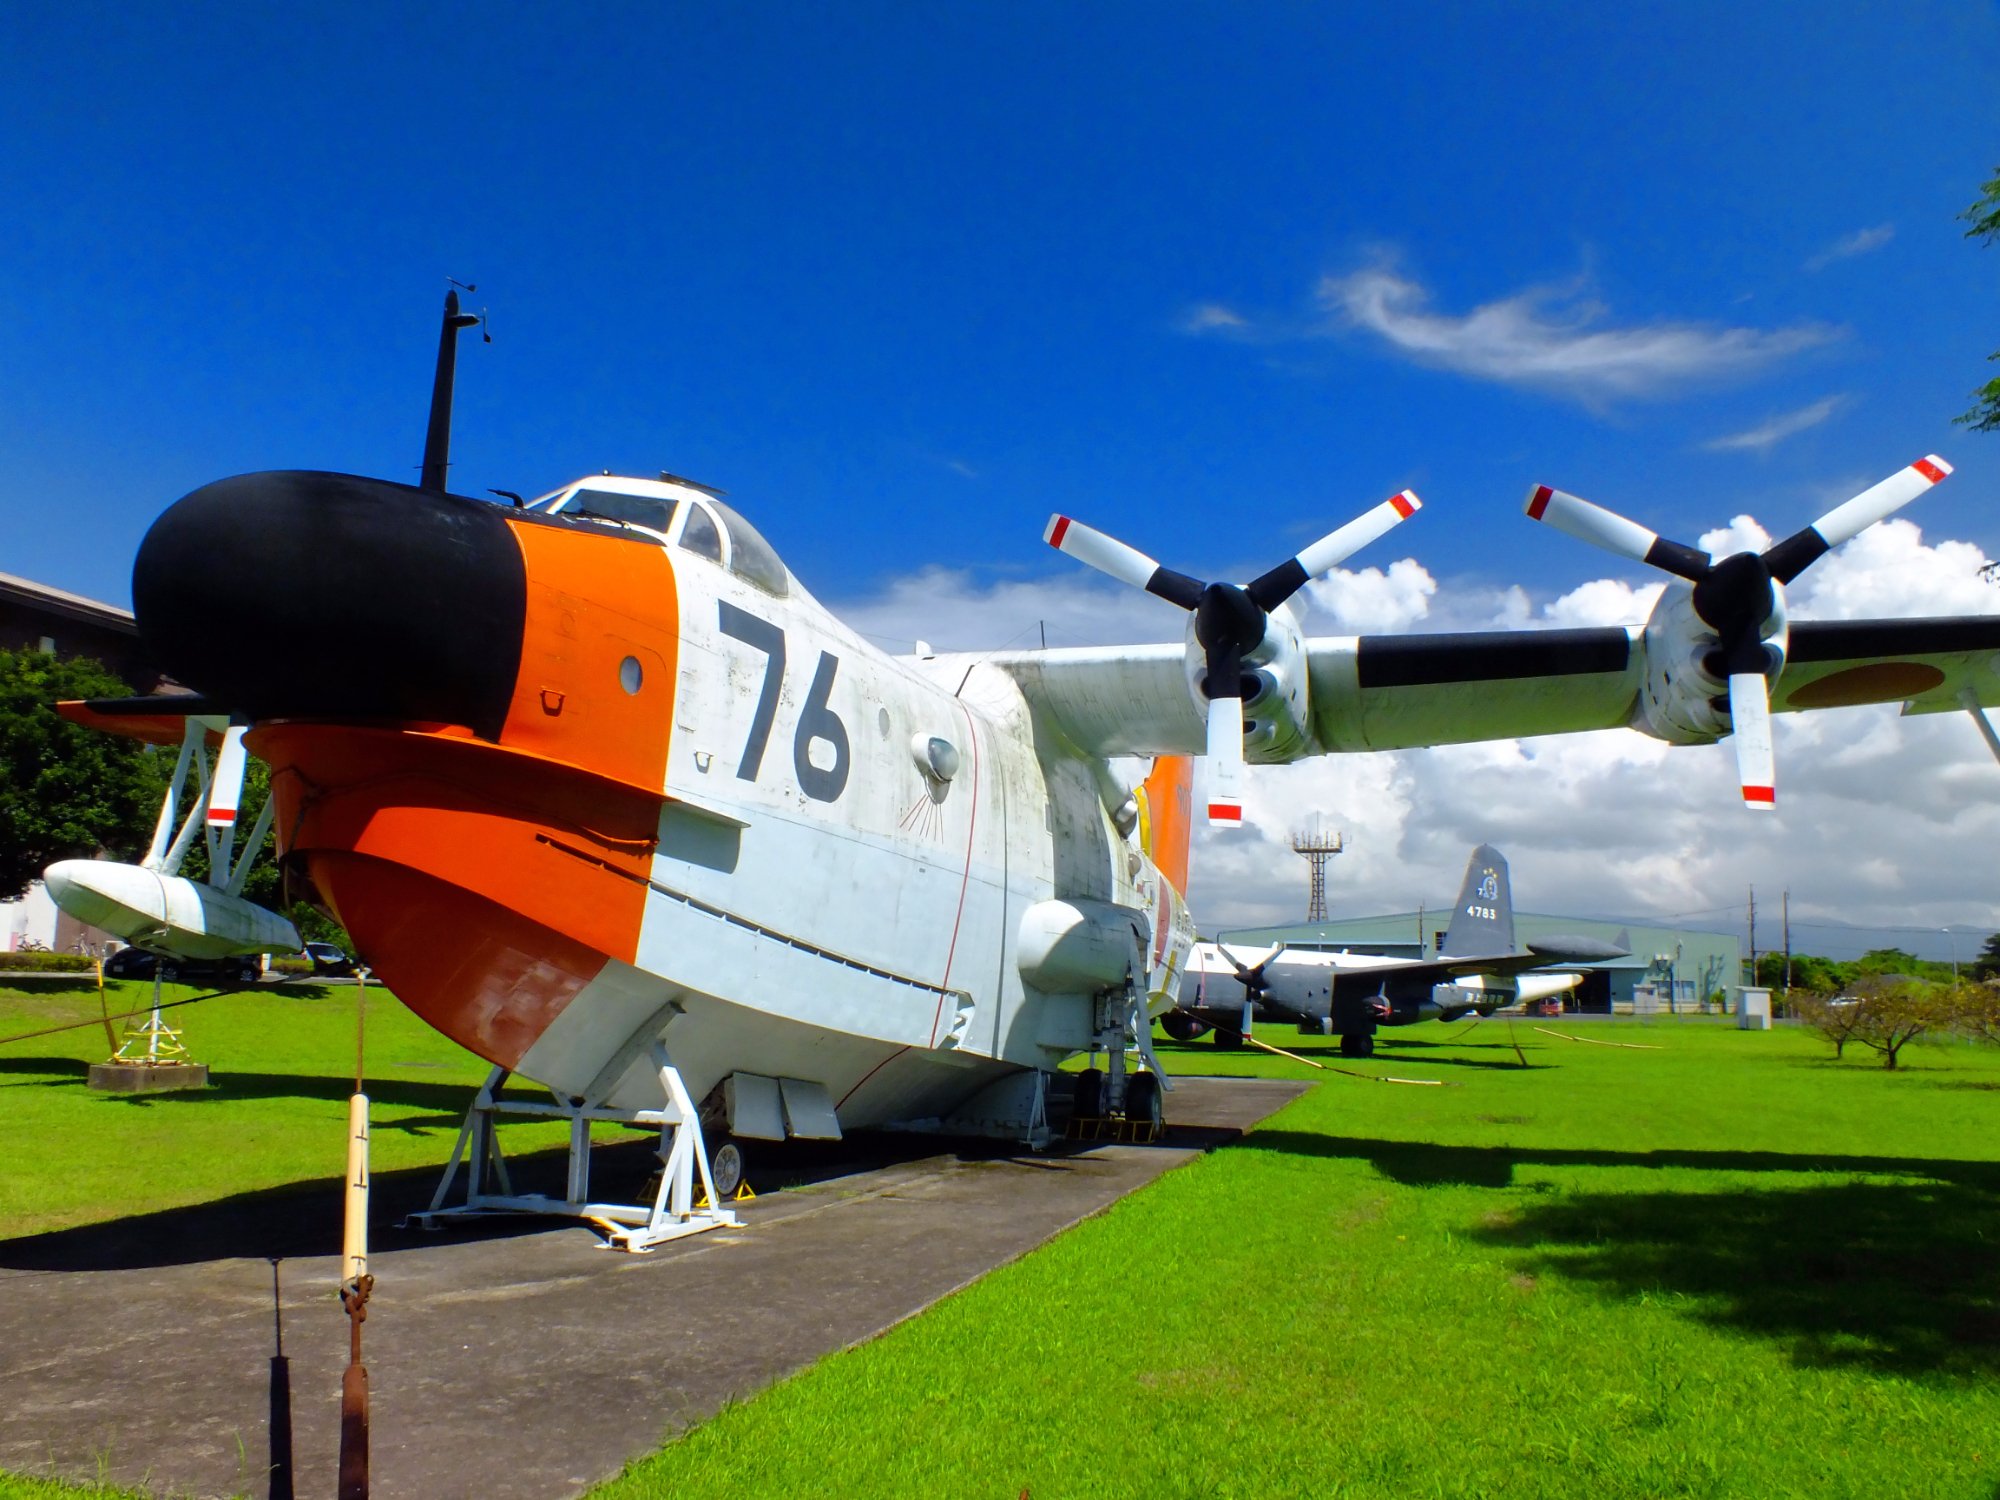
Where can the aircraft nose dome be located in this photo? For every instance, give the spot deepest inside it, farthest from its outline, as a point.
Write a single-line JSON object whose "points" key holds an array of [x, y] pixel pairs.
{"points": [[313, 595]]}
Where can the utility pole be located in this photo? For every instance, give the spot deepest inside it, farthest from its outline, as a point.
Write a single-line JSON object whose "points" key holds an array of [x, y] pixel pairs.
{"points": [[1787, 908], [1753, 934]]}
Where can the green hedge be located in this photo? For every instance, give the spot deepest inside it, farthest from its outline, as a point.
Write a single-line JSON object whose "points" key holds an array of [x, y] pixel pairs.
{"points": [[36, 962]]}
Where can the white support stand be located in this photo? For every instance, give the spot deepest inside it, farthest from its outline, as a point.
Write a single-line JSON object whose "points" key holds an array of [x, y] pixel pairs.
{"points": [[673, 1213]]}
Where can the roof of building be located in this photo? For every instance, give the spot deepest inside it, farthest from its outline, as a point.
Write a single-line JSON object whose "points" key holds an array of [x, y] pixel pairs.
{"points": [[65, 604]]}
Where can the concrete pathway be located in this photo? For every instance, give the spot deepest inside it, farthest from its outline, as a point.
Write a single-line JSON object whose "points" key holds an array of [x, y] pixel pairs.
{"points": [[516, 1360]]}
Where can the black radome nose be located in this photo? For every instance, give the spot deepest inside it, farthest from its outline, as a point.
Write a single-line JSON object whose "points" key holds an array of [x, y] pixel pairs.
{"points": [[328, 596]]}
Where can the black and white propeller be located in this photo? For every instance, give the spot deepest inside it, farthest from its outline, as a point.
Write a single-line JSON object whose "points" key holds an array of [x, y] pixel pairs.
{"points": [[1740, 597], [1229, 621], [1250, 972]]}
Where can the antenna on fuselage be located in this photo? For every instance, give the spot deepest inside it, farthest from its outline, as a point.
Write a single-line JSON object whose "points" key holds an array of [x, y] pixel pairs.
{"points": [[437, 437]]}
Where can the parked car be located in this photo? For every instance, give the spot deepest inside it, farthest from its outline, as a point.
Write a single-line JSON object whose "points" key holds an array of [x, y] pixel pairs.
{"points": [[137, 963], [329, 962]]}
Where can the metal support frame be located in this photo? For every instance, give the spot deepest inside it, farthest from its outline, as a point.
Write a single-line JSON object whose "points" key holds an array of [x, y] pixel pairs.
{"points": [[1124, 1025], [674, 1212], [1969, 701]]}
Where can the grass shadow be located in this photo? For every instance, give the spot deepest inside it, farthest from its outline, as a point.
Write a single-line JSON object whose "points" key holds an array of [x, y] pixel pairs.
{"points": [[55, 984], [1387, 1049], [304, 1218], [1422, 1163], [1892, 1278]]}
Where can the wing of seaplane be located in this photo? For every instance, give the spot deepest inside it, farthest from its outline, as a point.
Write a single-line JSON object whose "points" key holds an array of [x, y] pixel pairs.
{"points": [[1717, 656]]}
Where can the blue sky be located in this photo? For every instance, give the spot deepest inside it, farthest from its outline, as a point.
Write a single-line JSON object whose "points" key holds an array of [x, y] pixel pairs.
{"points": [[904, 279]]}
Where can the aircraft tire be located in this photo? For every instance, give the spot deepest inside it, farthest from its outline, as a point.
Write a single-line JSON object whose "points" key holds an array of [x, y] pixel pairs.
{"points": [[1357, 1044], [1227, 1039], [1088, 1101], [1181, 1026], [725, 1167], [1142, 1102]]}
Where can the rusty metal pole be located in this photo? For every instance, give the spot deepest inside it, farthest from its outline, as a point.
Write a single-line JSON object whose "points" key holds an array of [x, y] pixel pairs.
{"points": [[110, 1036], [356, 1283]]}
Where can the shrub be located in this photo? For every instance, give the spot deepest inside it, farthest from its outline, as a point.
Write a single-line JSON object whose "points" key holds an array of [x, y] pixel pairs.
{"points": [[36, 962]]}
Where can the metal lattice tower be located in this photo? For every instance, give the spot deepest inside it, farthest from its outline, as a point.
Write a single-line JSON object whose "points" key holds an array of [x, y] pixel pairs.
{"points": [[1317, 847]]}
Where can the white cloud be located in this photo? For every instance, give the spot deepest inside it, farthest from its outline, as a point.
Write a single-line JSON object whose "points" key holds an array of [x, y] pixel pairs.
{"points": [[1880, 818], [1767, 435], [1370, 600], [1889, 570], [1548, 339], [1742, 534], [1212, 317], [1850, 245]]}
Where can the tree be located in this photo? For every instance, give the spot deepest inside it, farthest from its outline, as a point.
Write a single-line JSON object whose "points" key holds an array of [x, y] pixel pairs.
{"points": [[1892, 1013], [65, 792], [1885, 961], [1984, 216], [1977, 1012], [1835, 1018], [1987, 965], [1808, 972]]}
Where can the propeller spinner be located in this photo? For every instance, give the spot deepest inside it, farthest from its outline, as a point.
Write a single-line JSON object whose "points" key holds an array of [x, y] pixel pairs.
{"points": [[1737, 597], [1229, 620]]}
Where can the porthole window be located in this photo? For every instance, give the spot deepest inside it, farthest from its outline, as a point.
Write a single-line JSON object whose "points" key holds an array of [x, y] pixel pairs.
{"points": [[630, 674]]}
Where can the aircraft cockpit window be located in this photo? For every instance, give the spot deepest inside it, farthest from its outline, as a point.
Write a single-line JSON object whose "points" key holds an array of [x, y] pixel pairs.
{"points": [[650, 511], [751, 558], [699, 536]]}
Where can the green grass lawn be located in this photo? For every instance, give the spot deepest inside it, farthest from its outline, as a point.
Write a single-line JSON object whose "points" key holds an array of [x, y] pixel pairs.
{"points": [[1724, 1267], [282, 1063]]}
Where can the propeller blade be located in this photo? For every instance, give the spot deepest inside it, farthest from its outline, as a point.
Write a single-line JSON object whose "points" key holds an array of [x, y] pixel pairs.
{"points": [[1129, 565], [1792, 556], [225, 792], [1250, 973], [1285, 580], [1750, 713], [1603, 528], [1225, 762]]}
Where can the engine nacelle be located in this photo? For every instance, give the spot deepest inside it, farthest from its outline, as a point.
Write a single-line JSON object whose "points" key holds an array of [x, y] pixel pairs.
{"points": [[1685, 698], [1275, 718]]}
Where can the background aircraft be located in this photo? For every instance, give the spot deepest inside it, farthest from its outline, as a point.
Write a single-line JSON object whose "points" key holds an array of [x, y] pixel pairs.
{"points": [[1478, 967]]}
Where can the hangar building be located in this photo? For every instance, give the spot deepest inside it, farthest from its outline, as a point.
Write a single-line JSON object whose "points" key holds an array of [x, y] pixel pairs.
{"points": [[1668, 968]]}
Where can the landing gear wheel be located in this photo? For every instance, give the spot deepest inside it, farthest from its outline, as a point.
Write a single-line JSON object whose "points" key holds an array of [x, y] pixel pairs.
{"points": [[1227, 1039], [1087, 1103], [1181, 1026], [1143, 1106], [725, 1167], [1357, 1044]]}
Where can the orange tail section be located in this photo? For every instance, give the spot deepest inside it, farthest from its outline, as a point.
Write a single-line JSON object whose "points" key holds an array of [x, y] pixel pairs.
{"points": [[1166, 816]]}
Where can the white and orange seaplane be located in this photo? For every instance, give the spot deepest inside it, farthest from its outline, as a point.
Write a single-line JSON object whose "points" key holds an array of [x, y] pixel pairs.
{"points": [[605, 795]]}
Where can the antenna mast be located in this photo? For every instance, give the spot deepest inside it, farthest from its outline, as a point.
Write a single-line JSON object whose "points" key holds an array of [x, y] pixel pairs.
{"points": [[437, 435], [1317, 847]]}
